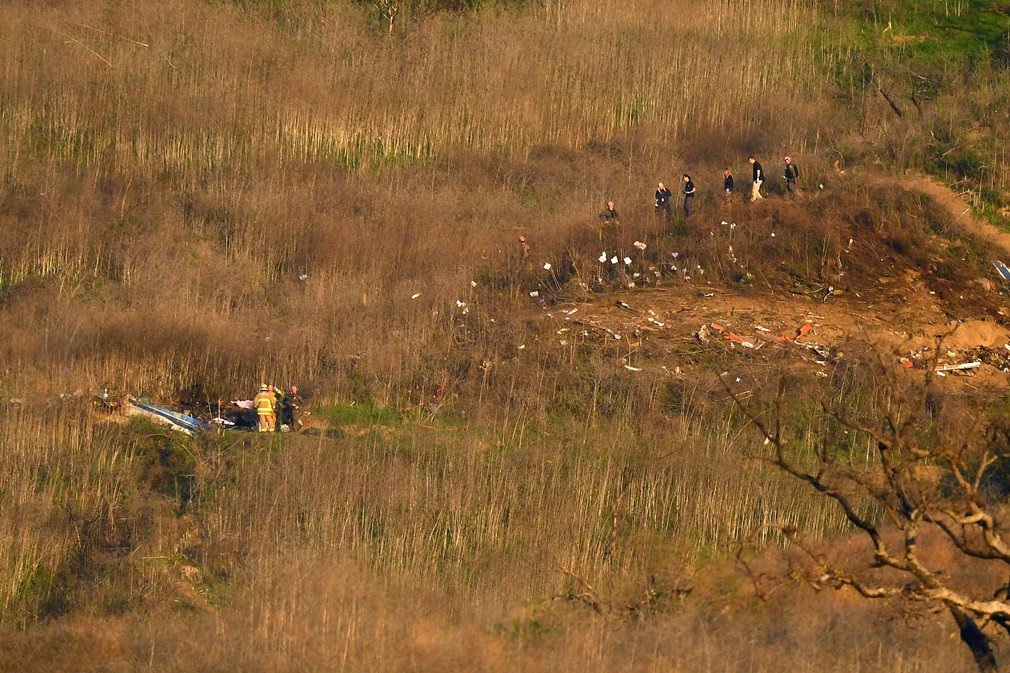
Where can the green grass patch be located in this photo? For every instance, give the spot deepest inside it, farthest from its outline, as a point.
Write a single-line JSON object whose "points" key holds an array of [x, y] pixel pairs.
{"points": [[354, 413]]}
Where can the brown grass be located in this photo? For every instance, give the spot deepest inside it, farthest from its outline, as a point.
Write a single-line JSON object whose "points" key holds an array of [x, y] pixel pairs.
{"points": [[171, 169]]}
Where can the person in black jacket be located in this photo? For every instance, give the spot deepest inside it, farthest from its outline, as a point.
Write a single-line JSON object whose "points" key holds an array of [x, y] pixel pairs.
{"points": [[759, 177], [727, 181], [291, 405], [689, 191], [791, 174], [663, 202]]}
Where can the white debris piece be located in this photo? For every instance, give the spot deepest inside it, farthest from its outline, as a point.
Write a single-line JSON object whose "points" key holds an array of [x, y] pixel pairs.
{"points": [[958, 367]]}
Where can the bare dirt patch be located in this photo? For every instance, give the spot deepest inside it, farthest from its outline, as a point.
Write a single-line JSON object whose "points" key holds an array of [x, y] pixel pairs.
{"points": [[886, 306]]}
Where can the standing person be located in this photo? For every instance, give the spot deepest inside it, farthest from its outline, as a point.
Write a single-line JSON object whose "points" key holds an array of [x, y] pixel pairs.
{"points": [[790, 175], [291, 405], [609, 219], [727, 182], [264, 405], [663, 202], [609, 214], [278, 399], [523, 247], [759, 177], [689, 191]]}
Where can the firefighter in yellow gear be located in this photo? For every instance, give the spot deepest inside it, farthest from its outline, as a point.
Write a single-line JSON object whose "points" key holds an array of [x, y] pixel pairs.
{"points": [[264, 404]]}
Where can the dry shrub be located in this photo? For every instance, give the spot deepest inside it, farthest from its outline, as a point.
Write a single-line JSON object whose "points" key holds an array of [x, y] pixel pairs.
{"points": [[173, 169], [192, 162]]}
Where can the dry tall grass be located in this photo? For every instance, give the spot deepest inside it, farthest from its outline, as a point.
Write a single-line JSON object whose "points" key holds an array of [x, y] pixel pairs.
{"points": [[171, 169], [197, 159]]}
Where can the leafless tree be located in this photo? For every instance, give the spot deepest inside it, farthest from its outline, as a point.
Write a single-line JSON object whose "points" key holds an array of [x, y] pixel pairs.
{"points": [[921, 482], [390, 10]]}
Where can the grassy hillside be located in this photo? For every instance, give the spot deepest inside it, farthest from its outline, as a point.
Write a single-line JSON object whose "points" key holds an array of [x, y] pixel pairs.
{"points": [[929, 81], [199, 196], [232, 154]]}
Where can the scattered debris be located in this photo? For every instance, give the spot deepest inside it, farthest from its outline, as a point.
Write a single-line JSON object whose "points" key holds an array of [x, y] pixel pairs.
{"points": [[998, 358], [1002, 270], [730, 336], [166, 417]]}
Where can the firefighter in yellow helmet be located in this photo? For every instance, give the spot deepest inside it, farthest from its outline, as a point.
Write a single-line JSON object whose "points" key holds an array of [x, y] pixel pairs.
{"points": [[264, 404]]}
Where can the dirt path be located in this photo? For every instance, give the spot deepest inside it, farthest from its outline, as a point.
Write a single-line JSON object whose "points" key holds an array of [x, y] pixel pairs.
{"points": [[959, 211]]}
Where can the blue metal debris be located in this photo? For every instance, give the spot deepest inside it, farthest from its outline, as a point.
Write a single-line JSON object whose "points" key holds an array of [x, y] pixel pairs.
{"points": [[172, 419]]}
